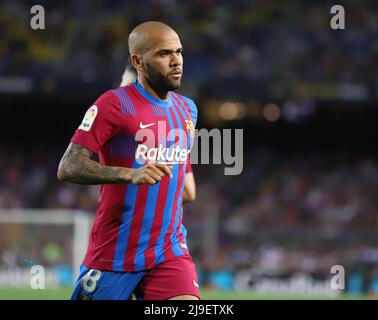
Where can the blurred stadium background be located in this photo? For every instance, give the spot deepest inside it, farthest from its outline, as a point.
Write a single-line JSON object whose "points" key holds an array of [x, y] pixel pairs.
{"points": [[305, 95]]}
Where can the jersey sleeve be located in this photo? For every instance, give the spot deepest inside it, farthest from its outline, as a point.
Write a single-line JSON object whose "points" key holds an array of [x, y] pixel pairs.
{"points": [[100, 124], [193, 113]]}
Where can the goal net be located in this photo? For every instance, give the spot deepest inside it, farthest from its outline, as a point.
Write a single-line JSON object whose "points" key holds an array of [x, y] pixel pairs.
{"points": [[35, 240]]}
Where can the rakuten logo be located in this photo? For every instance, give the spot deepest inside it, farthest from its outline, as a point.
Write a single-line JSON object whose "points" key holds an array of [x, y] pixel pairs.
{"points": [[161, 154]]}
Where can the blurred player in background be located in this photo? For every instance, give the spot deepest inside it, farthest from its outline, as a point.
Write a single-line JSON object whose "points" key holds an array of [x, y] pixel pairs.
{"points": [[138, 242], [128, 75]]}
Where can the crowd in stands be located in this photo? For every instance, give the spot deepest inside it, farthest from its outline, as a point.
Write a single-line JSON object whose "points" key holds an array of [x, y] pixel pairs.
{"points": [[281, 41]]}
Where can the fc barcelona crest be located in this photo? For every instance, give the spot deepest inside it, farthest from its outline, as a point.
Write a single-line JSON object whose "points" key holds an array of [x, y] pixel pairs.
{"points": [[190, 127]]}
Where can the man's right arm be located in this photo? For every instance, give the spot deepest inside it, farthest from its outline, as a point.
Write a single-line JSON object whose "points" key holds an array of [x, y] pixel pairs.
{"points": [[76, 166]]}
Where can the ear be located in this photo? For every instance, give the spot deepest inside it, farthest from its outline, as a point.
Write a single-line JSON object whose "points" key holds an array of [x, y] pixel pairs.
{"points": [[137, 62]]}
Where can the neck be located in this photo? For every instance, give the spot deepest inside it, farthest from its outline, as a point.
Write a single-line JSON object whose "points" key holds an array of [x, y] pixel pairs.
{"points": [[159, 94]]}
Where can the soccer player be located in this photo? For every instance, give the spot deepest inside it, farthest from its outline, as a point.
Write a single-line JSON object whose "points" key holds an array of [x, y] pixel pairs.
{"points": [[142, 134]]}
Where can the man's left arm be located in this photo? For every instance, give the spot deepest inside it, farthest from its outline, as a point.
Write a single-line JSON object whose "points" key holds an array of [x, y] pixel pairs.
{"points": [[189, 193], [190, 184]]}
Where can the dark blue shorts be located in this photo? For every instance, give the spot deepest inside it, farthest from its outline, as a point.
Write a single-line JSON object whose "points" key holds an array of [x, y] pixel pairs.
{"points": [[105, 285], [168, 279]]}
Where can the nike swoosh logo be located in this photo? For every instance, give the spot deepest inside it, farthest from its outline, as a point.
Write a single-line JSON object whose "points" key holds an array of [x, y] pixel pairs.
{"points": [[195, 283], [143, 126]]}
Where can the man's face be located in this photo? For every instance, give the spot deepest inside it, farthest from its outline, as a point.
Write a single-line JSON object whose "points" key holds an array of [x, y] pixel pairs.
{"points": [[163, 63]]}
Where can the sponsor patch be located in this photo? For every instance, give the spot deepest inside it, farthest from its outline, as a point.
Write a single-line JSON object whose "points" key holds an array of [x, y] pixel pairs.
{"points": [[89, 118]]}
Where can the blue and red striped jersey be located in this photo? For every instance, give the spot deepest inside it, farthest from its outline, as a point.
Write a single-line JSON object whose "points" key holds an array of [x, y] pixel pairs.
{"points": [[138, 226]]}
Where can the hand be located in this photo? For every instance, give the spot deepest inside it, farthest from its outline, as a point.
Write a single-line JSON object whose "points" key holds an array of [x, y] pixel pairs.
{"points": [[150, 173]]}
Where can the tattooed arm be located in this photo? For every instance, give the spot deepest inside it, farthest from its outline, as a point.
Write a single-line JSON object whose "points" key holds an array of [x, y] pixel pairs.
{"points": [[77, 166]]}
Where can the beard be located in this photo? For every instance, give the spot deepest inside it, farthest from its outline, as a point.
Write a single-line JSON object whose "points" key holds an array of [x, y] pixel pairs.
{"points": [[159, 81]]}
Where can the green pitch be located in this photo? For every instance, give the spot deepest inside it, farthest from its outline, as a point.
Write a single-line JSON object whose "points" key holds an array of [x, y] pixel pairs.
{"points": [[64, 294]]}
